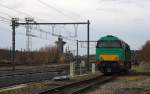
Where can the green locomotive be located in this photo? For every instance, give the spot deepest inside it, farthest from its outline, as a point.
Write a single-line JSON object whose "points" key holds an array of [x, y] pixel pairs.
{"points": [[112, 55]]}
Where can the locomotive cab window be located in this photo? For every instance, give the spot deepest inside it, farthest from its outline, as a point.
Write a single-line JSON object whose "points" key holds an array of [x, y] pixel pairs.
{"points": [[108, 44]]}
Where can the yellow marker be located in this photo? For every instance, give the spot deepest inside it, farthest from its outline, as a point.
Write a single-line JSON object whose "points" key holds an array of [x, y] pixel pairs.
{"points": [[109, 58]]}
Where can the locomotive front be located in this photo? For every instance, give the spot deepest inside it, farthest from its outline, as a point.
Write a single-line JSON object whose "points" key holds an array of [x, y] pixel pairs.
{"points": [[110, 54]]}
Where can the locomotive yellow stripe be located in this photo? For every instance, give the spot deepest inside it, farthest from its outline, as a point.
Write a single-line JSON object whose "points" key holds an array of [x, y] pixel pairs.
{"points": [[109, 58]]}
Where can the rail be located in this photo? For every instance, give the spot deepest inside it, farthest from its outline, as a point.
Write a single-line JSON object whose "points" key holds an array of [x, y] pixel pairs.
{"points": [[79, 86]]}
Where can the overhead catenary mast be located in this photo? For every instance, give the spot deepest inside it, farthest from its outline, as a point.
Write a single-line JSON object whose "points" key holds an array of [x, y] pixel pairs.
{"points": [[28, 34], [15, 23]]}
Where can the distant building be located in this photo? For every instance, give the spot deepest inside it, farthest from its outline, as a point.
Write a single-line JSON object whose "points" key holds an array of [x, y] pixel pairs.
{"points": [[60, 44]]}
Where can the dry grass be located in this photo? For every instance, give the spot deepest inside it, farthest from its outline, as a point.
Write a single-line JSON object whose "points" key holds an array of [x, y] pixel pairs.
{"points": [[25, 89], [123, 85], [102, 91], [143, 67]]}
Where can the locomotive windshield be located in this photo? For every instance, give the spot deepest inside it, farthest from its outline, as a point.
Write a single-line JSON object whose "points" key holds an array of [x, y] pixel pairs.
{"points": [[109, 44]]}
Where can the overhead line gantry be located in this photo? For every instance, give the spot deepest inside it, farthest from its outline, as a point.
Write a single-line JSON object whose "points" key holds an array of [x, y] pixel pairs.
{"points": [[16, 23]]}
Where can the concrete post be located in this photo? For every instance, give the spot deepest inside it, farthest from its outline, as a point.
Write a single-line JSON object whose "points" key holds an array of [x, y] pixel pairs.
{"points": [[72, 69], [80, 68], [93, 67]]}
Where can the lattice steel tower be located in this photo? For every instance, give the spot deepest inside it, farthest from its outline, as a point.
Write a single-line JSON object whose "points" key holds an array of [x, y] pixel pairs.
{"points": [[28, 34]]}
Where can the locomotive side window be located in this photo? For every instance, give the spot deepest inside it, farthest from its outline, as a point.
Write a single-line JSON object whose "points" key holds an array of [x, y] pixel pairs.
{"points": [[109, 44]]}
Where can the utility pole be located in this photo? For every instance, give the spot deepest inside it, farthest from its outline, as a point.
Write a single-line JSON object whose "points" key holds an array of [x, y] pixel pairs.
{"points": [[77, 57], [13, 21], [88, 44]]}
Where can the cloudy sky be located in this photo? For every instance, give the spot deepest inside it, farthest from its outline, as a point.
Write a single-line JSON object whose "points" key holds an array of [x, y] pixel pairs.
{"points": [[127, 19]]}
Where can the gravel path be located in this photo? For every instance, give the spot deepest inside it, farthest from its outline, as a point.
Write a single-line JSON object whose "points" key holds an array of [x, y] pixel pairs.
{"points": [[124, 85]]}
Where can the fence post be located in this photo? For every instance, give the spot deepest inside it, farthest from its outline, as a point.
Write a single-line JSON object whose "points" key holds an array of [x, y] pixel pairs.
{"points": [[93, 67], [72, 69]]}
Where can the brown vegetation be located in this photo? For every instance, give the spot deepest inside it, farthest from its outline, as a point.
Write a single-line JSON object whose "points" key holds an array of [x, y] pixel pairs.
{"points": [[144, 53], [43, 56]]}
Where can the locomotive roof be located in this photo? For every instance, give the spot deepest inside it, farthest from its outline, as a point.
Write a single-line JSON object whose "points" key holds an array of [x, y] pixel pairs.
{"points": [[109, 37], [112, 38]]}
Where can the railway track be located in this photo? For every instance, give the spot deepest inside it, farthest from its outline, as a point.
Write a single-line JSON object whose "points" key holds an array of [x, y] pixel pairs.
{"points": [[31, 72], [134, 73], [79, 86], [139, 73], [27, 76]]}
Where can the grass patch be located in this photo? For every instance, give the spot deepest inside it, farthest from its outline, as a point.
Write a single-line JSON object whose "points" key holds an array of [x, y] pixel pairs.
{"points": [[138, 69], [142, 68], [25, 89]]}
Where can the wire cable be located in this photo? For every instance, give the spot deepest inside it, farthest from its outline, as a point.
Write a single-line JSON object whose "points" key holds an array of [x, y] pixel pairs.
{"points": [[17, 11], [3, 13], [4, 21], [51, 7], [4, 18]]}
